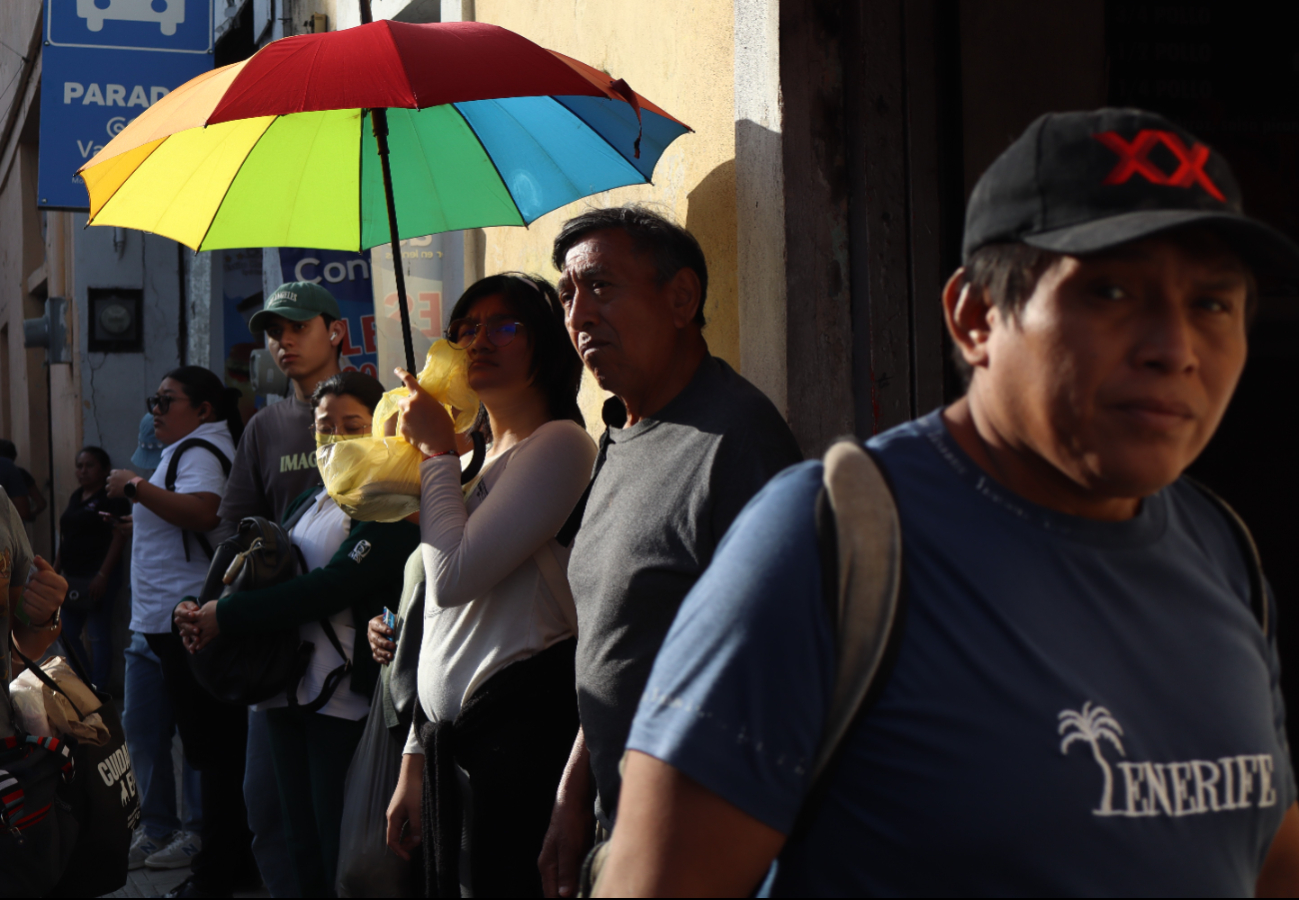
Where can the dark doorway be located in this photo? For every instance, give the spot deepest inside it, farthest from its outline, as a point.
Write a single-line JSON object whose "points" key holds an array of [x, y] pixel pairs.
{"points": [[1233, 81]]}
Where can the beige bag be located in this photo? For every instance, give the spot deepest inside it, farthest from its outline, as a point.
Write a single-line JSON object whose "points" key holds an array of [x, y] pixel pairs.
{"points": [[72, 710]]}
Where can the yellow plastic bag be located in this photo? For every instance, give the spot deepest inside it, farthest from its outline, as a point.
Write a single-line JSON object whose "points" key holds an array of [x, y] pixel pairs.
{"points": [[376, 478]]}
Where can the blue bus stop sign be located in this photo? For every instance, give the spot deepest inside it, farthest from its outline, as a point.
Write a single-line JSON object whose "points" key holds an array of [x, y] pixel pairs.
{"points": [[103, 63]]}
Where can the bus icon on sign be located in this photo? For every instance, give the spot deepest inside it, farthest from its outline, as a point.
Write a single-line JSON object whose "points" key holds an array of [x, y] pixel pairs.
{"points": [[167, 13]]}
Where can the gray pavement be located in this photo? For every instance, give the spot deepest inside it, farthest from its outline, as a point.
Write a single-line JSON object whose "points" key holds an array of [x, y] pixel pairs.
{"points": [[156, 882]]}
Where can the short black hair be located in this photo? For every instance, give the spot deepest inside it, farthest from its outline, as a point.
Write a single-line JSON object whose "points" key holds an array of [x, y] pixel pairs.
{"points": [[8, 450], [555, 364], [672, 247], [100, 455], [363, 387]]}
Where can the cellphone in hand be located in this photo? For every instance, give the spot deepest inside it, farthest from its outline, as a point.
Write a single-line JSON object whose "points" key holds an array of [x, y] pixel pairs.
{"points": [[110, 518], [389, 619]]}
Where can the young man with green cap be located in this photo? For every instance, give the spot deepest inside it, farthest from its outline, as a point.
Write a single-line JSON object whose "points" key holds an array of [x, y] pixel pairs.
{"points": [[1082, 697], [275, 462]]}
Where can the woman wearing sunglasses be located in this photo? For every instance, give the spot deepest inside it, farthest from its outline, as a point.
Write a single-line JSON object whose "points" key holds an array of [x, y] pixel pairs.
{"points": [[496, 683], [198, 418]]}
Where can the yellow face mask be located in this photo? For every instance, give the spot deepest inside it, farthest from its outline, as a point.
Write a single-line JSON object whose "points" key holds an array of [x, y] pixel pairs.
{"points": [[323, 440]]}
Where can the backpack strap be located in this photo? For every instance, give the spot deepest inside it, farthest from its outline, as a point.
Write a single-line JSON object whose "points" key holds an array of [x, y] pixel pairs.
{"points": [[335, 677], [866, 538], [332, 680], [1258, 599], [859, 541], [475, 461], [173, 468], [301, 506]]}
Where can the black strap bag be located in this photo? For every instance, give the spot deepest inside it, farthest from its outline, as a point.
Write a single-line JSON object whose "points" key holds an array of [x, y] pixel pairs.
{"points": [[96, 791], [254, 667]]}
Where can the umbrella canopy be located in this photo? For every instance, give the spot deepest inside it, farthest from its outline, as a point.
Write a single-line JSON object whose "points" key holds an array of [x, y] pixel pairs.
{"points": [[485, 128]]}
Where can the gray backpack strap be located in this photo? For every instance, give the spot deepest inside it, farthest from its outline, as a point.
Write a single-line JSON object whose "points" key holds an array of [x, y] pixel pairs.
{"points": [[1258, 594], [868, 536]]}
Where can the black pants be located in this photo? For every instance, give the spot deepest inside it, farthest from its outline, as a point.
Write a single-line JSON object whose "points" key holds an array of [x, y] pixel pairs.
{"points": [[214, 736], [513, 739], [312, 752]]}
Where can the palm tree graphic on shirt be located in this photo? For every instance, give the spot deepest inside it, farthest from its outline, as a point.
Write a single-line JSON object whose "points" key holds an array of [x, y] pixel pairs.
{"points": [[1093, 724]]}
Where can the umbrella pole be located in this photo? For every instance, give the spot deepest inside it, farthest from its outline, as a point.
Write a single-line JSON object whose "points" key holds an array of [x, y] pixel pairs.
{"points": [[379, 119]]}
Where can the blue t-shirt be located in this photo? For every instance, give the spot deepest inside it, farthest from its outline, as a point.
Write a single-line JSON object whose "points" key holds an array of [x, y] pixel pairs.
{"points": [[1077, 707]]}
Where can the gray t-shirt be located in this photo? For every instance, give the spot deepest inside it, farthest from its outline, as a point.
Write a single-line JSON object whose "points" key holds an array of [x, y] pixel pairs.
{"points": [[670, 487], [275, 462], [15, 562]]}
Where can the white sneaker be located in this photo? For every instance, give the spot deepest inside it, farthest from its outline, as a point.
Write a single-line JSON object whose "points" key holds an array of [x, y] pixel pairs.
{"points": [[178, 854], [143, 846]]}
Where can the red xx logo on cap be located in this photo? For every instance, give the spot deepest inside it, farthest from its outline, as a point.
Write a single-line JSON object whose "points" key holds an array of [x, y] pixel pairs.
{"points": [[1134, 159]]}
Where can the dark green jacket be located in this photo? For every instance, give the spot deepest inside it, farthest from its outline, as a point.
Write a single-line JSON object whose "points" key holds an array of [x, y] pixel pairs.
{"points": [[366, 584]]}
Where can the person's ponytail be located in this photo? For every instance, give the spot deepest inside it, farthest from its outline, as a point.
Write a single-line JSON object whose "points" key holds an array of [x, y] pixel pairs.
{"points": [[202, 386], [233, 417]]}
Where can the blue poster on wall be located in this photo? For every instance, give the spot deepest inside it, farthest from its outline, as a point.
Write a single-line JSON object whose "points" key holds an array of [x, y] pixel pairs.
{"points": [[347, 276], [103, 63]]}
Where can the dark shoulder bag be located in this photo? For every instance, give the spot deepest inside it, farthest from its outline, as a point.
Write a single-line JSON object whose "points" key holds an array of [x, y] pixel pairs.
{"points": [[254, 667], [249, 668], [38, 832], [99, 791]]}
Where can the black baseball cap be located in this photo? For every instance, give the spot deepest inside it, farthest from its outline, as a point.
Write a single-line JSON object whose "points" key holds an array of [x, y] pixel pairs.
{"points": [[1082, 182]]}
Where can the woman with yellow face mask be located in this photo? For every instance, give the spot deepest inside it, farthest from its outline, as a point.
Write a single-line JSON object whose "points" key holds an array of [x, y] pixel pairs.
{"points": [[353, 570]]}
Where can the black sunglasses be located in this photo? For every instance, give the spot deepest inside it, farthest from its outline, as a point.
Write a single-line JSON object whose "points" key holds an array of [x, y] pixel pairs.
{"points": [[162, 402]]}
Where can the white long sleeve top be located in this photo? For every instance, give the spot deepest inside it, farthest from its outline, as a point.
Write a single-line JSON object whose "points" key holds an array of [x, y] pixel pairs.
{"points": [[486, 602]]}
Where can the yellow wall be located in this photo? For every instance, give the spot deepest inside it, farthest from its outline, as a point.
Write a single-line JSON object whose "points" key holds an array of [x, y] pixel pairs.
{"points": [[680, 55]]}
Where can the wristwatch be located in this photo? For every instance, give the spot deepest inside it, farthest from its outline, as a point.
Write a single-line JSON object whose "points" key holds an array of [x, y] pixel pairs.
{"points": [[129, 489]]}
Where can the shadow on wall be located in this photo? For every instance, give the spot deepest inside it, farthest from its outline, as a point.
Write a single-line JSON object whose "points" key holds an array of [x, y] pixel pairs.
{"points": [[760, 259], [711, 219]]}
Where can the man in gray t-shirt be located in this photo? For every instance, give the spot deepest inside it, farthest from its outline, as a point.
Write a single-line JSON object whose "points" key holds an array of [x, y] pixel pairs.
{"points": [[696, 443], [670, 487]]}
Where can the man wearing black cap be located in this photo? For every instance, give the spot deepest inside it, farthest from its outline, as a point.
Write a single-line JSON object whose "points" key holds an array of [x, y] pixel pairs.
{"points": [[1084, 697]]}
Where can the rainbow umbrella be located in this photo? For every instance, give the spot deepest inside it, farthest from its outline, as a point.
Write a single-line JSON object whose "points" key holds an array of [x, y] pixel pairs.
{"points": [[472, 125]]}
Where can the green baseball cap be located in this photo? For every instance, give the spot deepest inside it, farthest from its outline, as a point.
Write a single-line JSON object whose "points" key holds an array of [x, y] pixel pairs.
{"points": [[297, 300]]}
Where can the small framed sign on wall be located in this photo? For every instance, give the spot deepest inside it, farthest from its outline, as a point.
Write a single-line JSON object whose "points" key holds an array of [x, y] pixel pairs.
{"points": [[116, 320]]}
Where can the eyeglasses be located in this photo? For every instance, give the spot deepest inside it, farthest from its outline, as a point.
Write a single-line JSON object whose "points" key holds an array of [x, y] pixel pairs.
{"points": [[162, 402], [462, 333]]}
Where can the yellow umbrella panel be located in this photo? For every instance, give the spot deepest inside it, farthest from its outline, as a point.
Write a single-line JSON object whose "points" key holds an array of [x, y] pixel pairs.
{"points": [[304, 180]]}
